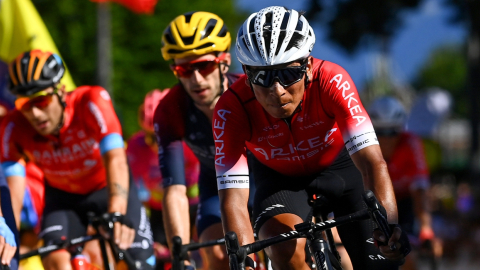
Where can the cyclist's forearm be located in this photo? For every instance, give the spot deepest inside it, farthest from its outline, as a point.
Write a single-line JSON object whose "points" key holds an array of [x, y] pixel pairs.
{"points": [[420, 207], [381, 185], [373, 167], [17, 191], [117, 180], [235, 216], [175, 213]]}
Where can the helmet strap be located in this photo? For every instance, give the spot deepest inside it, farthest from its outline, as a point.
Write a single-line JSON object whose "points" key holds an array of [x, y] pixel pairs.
{"points": [[222, 78], [307, 80], [62, 120]]}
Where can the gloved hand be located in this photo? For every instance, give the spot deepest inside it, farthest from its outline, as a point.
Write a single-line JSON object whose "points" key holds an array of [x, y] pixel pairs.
{"points": [[8, 246]]}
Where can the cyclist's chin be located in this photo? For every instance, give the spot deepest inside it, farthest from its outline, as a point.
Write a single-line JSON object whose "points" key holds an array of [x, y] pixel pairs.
{"points": [[45, 128], [281, 112], [204, 100]]}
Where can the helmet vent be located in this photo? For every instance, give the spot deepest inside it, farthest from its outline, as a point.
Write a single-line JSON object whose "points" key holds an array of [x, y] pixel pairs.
{"points": [[285, 21], [267, 31], [296, 41], [208, 28], [189, 40], [281, 38], [206, 45], [168, 36], [35, 64], [251, 27], [299, 26], [188, 16], [223, 32]]}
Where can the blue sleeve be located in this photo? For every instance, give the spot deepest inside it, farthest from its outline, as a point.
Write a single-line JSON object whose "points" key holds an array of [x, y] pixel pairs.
{"points": [[111, 141], [11, 168], [172, 164]]}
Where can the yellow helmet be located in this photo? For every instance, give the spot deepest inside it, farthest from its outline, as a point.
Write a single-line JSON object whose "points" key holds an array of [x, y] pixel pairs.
{"points": [[195, 33]]}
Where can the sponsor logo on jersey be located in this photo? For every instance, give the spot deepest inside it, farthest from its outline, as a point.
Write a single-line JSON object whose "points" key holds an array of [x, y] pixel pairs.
{"points": [[223, 182], [66, 153], [301, 150], [104, 94], [99, 116], [351, 97], [218, 132]]}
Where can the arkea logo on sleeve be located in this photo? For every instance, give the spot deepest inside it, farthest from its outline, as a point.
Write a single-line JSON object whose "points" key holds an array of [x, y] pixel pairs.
{"points": [[354, 110], [218, 132]]}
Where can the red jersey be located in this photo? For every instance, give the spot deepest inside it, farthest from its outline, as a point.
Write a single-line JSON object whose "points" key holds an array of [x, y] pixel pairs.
{"points": [[329, 118], [71, 161], [408, 167], [143, 161]]}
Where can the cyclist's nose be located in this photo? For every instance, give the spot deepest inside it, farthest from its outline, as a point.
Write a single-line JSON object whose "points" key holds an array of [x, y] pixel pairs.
{"points": [[277, 89], [196, 76]]}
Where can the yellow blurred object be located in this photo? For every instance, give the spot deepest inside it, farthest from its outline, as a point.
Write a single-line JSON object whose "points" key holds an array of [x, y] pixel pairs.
{"points": [[32, 263], [22, 29]]}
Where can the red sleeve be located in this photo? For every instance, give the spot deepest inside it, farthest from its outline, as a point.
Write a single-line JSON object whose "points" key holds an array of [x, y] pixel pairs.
{"points": [[99, 106], [342, 102], [168, 118], [11, 150], [230, 131]]}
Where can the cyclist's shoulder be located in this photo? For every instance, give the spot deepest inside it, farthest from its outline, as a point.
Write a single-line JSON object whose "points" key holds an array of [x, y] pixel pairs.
{"points": [[82, 95], [233, 77], [239, 90], [14, 121], [323, 69], [174, 100]]}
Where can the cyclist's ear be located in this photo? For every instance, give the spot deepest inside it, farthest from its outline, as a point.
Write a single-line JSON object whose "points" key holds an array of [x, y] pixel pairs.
{"points": [[309, 67], [61, 91], [227, 61]]}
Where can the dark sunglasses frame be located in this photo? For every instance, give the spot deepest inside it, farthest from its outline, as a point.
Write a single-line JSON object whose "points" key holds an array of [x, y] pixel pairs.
{"points": [[286, 76]]}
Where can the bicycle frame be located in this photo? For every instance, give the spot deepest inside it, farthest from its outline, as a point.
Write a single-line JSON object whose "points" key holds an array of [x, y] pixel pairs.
{"points": [[308, 229], [237, 253]]}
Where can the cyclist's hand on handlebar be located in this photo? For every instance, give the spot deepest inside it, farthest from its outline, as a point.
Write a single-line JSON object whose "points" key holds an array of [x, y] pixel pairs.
{"points": [[123, 232], [123, 235], [395, 248], [7, 243]]}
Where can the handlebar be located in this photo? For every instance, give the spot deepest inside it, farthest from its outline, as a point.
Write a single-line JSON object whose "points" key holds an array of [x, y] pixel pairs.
{"points": [[103, 222], [180, 252], [378, 214], [237, 253]]}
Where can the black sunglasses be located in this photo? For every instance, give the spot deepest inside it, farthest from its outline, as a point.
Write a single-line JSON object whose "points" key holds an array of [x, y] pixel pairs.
{"points": [[286, 76]]}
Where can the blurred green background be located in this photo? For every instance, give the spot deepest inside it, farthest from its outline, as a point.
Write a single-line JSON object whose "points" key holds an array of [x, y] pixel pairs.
{"points": [[138, 66]]}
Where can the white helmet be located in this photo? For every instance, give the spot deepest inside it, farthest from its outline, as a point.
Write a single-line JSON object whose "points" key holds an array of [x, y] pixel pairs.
{"points": [[387, 113], [273, 36]]}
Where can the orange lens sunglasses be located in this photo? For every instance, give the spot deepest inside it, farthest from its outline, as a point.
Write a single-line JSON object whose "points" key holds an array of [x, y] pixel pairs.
{"points": [[204, 67], [40, 100]]}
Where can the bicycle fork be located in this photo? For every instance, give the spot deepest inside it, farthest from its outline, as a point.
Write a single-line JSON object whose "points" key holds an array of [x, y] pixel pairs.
{"points": [[319, 251]]}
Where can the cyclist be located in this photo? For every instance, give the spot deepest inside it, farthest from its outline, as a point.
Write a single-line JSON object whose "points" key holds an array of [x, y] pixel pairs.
{"points": [[75, 139], [198, 44], [407, 167], [301, 117], [142, 156]]}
